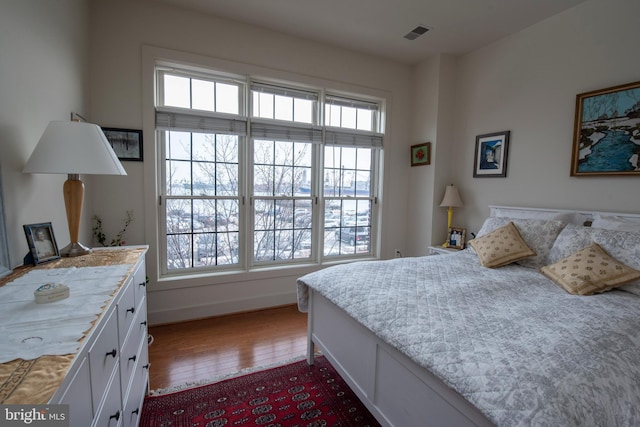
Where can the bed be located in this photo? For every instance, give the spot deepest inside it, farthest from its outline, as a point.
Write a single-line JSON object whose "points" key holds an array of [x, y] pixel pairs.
{"points": [[444, 340]]}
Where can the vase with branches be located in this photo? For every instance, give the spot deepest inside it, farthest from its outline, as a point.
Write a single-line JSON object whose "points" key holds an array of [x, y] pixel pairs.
{"points": [[101, 237]]}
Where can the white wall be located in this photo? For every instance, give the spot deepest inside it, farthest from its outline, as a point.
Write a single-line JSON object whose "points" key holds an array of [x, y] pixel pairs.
{"points": [[119, 29], [43, 77], [426, 83], [527, 83], [434, 120]]}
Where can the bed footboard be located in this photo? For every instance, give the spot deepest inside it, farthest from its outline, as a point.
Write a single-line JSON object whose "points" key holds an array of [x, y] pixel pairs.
{"points": [[396, 391]]}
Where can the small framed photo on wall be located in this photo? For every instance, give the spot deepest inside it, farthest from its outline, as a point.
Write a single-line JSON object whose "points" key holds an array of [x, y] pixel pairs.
{"points": [[42, 242], [126, 143], [456, 238], [421, 154]]}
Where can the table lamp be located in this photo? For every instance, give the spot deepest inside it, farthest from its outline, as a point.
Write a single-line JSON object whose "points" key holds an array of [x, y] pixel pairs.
{"points": [[450, 200], [74, 148]]}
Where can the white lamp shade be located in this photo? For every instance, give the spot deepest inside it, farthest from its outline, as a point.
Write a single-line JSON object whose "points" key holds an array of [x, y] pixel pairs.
{"points": [[74, 148], [451, 198]]}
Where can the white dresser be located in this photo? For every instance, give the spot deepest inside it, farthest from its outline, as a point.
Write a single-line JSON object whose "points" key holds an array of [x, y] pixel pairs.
{"points": [[107, 379]]}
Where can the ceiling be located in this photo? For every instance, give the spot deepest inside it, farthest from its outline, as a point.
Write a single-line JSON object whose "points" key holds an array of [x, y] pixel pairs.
{"points": [[378, 26]]}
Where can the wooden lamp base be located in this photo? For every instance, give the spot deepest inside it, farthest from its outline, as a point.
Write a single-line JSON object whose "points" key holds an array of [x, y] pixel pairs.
{"points": [[73, 190]]}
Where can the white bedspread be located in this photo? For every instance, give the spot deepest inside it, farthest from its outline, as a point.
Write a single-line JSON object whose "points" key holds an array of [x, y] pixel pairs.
{"points": [[509, 340]]}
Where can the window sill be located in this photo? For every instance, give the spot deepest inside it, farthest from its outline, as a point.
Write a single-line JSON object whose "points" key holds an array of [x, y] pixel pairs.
{"points": [[182, 281]]}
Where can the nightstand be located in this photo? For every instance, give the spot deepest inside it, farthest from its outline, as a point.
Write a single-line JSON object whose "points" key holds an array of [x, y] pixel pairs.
{"points": [[439, 250]]}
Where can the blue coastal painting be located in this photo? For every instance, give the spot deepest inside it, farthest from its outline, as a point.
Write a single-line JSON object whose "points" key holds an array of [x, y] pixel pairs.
{"points": [[491, 155], [608, 134]]}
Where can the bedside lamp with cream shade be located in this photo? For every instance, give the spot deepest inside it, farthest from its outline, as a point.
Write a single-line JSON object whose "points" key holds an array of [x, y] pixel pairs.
{"points": [[451, 200], [74, 148]]}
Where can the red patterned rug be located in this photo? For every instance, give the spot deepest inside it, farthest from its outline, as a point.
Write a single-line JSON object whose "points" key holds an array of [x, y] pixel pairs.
{"points": [[291, 395]]}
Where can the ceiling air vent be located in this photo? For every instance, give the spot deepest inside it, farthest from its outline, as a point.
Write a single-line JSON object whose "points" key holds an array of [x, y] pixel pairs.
{"points": [[416, 32]]}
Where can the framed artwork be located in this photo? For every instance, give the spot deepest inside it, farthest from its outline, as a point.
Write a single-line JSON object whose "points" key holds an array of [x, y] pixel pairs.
{"points": [[5, 263], [421, 154], [456, 238], [606, 133], [126, 143], [491, 154], [42, 242]]}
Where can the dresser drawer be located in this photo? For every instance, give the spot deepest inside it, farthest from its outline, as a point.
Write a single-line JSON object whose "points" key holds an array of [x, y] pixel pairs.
{"points": [[110, 414], [78, 396], [103, 356], [140, 283], [126, 310], [137, 390], [129, 356]]}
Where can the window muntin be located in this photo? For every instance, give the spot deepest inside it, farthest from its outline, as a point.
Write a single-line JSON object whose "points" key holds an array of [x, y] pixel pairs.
{"points": [[199, 94], [285, 104], [283, 212], [351, 114], [348, 198], [217, 157], [202, 208]]}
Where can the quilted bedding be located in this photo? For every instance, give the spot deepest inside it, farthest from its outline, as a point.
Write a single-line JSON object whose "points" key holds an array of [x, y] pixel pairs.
{"points": [[513, 343]]}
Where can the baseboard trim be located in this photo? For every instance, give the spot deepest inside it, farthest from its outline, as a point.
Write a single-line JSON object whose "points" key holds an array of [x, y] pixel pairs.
{"points": [[203, 311]]}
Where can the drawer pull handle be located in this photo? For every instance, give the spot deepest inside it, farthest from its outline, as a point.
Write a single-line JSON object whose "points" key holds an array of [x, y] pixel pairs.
{"points": [[146, 366], [115, 416], [132, 310], [144, 323], [142, 284], [112, 353], [137, 411], [133, 358]]}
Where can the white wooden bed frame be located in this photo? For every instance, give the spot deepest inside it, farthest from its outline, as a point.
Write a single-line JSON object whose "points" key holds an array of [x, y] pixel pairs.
{"points": [[396, 390]]}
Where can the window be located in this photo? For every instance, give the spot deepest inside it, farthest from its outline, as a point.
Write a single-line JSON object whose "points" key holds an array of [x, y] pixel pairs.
{"points": [[257, 174], [283, 133], [348, 200]]}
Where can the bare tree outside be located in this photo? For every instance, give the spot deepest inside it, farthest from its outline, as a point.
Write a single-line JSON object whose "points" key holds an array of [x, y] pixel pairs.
{"points": [[241, 173], [202, 227], [283, 212]]}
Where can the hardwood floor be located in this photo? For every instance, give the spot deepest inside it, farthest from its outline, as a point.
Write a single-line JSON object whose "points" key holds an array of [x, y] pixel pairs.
{"points": [[208, 348]]}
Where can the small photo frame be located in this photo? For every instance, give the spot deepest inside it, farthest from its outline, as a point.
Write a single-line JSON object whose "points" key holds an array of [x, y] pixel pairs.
{"points": [[491, 154], [421, 154], [126, 143], [456, 238], [42, 242]]}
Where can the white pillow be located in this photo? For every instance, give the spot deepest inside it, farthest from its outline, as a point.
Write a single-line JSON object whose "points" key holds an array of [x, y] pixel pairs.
{"points": [[616, 223], [566, 217]]}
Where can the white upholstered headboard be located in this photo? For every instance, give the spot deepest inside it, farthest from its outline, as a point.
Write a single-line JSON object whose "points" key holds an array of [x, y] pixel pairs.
{"points": [[578, 217]]}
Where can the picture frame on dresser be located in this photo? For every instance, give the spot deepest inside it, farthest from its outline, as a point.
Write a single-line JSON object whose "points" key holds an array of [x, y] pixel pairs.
{"points": [[491, 154], [42, 242], [456, 238], [605, 132]]}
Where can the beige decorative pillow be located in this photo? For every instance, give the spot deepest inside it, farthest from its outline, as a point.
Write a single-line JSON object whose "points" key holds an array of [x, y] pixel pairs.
{"points": [[502, 246], [588, 271]]}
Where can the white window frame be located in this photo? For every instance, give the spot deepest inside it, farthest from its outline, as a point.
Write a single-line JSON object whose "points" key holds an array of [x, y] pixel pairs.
{"points": [[246, 164]]}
